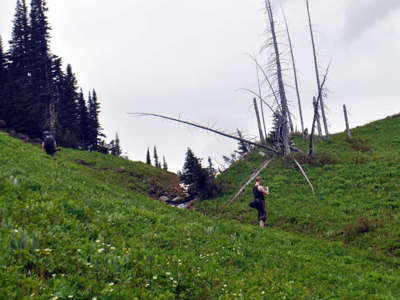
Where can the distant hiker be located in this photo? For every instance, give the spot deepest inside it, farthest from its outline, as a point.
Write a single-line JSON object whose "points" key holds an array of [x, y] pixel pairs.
{"points": [[259, 201], [49, 143]]}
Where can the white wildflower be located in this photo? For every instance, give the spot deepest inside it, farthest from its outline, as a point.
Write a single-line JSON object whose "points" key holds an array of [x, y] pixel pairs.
{"points": [[112, 248], [70, 296], [154, 277], [111, 284], [100, 250], [97, 241]]}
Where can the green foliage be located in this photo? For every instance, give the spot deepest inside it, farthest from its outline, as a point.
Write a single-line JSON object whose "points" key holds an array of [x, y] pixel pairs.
{"points": [[73, 226], [357, 185], [200, 181]]}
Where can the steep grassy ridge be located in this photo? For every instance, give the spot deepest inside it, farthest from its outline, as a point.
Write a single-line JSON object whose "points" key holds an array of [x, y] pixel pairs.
{"points": [[77, 231], [357, 185]]}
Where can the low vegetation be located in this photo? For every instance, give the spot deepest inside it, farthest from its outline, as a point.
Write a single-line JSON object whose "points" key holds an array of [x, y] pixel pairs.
{"points": [[81, 227], [357, 185]]}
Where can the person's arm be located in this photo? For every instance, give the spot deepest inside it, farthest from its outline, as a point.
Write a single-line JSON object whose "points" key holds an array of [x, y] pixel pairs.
{"points": [[55, 144], [42, 146], [264, 190]]}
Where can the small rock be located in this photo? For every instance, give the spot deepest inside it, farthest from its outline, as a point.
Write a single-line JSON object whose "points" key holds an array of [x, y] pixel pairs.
{"points": [[177, 199], [36, 141], [121, 169], [22, 137], [164, 199]]}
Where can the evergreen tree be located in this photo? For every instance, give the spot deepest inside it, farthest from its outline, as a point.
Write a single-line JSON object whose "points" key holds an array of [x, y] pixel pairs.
{"points": [[165, 166], [193, 175], [68, 110], [39, 67], [83, 118], [210, 169], [115, 146], [275, 136], [148, 159], [157, 163], [20, 42], [3, 78], [94, 124], [17, 90], [243, 147]]}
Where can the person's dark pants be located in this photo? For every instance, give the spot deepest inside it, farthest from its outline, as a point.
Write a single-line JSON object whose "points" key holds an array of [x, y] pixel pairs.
{"points": [[50, 151], [259, 204]]}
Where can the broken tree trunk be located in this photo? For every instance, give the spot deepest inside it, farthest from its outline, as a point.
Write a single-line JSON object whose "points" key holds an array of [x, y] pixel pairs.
{"points": [[317, 72], [281, 85], [242, 189], [347, 122], [261, 102], [260, 130], [318, 119], [310, 149]]}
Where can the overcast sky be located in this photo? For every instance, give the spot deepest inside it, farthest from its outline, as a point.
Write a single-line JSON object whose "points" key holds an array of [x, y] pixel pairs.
{"points": [[187, 59]]}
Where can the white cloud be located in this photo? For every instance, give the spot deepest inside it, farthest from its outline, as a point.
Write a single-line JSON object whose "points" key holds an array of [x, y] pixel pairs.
{"points": [[362, 15]]}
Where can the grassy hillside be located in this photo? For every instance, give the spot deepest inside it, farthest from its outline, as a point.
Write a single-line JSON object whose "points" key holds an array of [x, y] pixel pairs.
{"points": [[75, 227], [357, 185]]}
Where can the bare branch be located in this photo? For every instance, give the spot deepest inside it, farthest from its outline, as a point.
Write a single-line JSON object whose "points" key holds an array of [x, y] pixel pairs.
{"points": [[305, 175], [208, 129]]}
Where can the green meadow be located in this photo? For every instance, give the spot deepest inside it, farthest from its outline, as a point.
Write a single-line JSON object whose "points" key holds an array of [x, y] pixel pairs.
{"points": [[75, 227]]}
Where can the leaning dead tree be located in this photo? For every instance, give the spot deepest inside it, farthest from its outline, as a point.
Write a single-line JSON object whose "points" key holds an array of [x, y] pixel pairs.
{"points": [[296, 82], [321, 100], [265, 147]]}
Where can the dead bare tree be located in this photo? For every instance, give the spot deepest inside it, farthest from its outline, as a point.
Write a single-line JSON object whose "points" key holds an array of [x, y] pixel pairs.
{"points": [[315, 105], [294, 71], [321, 100], [310, 149], [262, 138], [281, 85], [346, 118], [261, 102]]}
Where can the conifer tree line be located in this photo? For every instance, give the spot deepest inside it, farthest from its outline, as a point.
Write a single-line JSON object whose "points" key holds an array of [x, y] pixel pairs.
{"points": [[157, 162], [37, 94]]}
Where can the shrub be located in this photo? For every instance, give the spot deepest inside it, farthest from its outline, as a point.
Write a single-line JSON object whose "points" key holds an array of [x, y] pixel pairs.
{"points": [[358, 144]]}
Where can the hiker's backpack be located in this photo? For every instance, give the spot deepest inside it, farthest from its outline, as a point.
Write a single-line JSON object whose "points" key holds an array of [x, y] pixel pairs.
{"points": [[48, 140]]}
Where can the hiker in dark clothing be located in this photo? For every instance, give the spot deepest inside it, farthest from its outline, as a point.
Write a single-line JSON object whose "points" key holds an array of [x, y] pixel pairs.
{"points": [[259, 202], [49, 143]]}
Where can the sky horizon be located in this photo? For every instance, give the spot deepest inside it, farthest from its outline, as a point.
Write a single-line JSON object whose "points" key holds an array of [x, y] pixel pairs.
{"points": [[188, 59]]}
